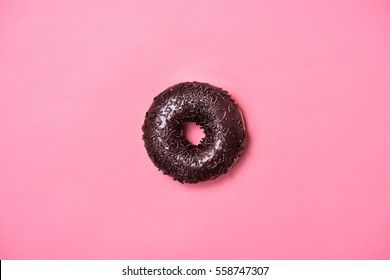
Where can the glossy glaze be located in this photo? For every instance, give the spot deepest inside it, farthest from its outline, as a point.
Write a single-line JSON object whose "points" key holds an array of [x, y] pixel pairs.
{"points": [[210, 107]]}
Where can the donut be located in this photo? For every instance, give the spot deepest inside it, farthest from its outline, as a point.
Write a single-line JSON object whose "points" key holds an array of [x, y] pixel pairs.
{"points": [[210, 107]]}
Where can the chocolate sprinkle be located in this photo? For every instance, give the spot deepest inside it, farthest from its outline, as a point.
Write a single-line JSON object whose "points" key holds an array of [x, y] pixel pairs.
{"points": [[209, 107]]}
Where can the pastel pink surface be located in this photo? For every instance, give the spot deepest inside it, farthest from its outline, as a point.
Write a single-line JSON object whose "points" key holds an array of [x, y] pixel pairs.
{"points": [[312, 79]]}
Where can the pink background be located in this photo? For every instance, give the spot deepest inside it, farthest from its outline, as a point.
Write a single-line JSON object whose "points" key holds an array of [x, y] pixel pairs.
{"points": [[313, 81]]}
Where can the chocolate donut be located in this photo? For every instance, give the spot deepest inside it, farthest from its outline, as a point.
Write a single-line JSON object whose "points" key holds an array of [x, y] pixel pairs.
{"points": [[209, 107]]}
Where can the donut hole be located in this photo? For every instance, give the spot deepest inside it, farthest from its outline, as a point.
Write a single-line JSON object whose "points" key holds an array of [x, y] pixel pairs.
{"points": [[193, 132]]}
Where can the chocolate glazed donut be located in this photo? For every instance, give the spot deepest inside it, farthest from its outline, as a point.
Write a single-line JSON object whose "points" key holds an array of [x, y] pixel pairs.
{"points": [[211, 108]]}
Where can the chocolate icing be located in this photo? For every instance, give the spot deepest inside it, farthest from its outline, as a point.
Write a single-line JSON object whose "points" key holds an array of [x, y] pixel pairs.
{"points": [[211, 108]]}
